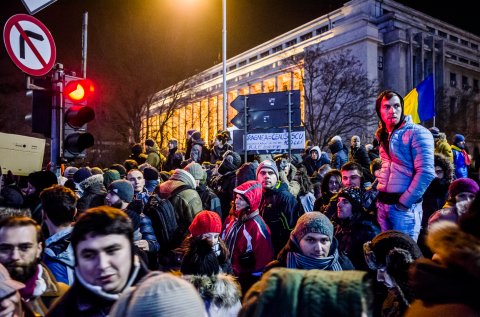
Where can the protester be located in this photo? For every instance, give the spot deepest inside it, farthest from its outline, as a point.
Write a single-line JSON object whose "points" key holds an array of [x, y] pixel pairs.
{"points": [[105, 264], [407, 169]]}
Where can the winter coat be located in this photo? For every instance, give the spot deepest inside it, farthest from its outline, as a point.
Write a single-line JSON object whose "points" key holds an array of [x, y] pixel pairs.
{"points": [[210, 200], [450, 288], [359, 155], [313, 165], [58, 256], [290, 292], [154, 157], [216, 154], [352, 234], [80, 301], [173, 161], [224, 185], [52, 294], [94, 193], [460, 159], [339, 155], [407, 166], [187, 203], [442, 147], [221, 293], [293, 185], [280, 211]]}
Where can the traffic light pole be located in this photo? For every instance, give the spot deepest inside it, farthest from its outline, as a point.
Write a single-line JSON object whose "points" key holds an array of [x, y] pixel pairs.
{"points": [[245, 135], [57, 114], [290, 125]]}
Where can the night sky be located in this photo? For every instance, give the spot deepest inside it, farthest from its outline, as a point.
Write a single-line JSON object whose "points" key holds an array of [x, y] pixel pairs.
{"points": [[183, 36]]}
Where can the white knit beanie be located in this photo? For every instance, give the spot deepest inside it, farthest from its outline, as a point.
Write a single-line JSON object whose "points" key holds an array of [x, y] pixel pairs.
{"points": [[160, 294]]}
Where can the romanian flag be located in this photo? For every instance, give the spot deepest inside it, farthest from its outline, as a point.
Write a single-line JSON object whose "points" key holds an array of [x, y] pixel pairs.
{"points": [[420, 102]]}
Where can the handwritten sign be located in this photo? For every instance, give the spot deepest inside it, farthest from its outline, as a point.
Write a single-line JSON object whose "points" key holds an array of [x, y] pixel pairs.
{"points": [[275, 141]]}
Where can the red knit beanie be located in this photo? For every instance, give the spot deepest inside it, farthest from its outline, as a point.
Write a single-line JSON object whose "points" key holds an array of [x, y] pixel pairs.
{"points": [[204, 222]]}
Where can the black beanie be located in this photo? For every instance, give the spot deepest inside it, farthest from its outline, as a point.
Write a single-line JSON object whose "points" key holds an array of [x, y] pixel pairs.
{"points": [[150, 142], [150, 173], [42, 179], [120, 168]]}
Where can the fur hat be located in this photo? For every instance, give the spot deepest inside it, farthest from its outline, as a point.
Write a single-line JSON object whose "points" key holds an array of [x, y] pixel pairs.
{"points": [[315, 222], [252, 192], [42, 179], [82, 174], [200, 258], [150, 173], [268, 164], [123, 189], [204, 222], [149, 142], [462, 185], [354, 195], [458, 138], [7, 285], [196, 170], [435, 132], [120, 168], [393, 249], [160, 294]]}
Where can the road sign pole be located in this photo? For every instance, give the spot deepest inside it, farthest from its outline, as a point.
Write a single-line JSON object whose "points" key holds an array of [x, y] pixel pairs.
{"points": [[57, 113], [245, 109], [289, 124]]}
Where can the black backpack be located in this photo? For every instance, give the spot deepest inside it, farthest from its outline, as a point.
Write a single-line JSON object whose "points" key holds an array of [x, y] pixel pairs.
{"points": [[164, 221]]}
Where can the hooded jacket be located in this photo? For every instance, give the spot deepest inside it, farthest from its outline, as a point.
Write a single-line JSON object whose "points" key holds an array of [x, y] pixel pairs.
{"points": [[313, 165], [221, 293], [186, 203], [339, 155], [58, 256], [407, 167], [154, 157], [246, 235]]}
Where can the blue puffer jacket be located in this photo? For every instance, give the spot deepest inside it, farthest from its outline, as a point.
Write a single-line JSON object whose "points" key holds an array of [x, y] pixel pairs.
{"points": [[461, 168], [408, 168]]}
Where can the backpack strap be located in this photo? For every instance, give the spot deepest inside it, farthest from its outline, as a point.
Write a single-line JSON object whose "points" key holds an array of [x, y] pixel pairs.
{"points": [[179, 189]]}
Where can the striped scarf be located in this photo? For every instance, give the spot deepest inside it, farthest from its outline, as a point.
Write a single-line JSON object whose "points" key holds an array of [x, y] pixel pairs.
{"points": [[231, 235]]}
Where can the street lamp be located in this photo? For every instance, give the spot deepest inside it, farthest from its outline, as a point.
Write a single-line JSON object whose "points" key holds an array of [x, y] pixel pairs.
{"points": [[224, 61]]}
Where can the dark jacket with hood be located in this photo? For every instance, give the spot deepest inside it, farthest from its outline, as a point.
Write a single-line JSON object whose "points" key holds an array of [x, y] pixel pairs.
{"points": [[94, 193], [339, 152], [173, 161], [280, 211], [313, 165]]}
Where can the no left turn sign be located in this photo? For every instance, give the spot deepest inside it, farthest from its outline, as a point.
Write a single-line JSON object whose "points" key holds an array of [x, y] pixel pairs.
{"points": [[29, 44]]}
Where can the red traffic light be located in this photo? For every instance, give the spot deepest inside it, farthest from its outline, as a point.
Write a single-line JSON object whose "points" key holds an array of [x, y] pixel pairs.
{"points": [[79, 90]]}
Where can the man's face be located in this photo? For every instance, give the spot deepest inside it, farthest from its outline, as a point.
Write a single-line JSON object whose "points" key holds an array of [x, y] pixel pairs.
{"points": [[19, 251], [113, 200], [315, 245], [355, 142], [137, 180], [391, 112], [314, 155], [344, 208], [171, 145], [105, 261], [267, 177], [351, 178]]}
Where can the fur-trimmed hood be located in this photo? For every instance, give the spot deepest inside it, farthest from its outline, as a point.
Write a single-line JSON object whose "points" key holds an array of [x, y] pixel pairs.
{"points": [[455, 247], [94, 184], [222, 289]]}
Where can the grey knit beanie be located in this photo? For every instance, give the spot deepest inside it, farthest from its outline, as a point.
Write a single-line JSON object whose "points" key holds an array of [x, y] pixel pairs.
{"points": [[315, 222], [183, 176], [160, 294], [123, 189], [268, 164]]}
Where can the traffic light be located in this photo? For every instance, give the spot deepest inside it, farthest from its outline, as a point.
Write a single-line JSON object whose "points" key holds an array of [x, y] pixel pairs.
{"points": [[40, 90], [77, 92]]}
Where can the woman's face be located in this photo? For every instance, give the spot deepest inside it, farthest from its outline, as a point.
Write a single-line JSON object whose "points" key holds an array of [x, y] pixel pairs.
{"points": [[334, 184], [315, 245], [240, 203], [440, 172]]}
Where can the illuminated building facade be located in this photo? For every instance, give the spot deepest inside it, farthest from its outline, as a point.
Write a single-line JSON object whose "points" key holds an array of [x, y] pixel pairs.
{"points": [[397, 45]]}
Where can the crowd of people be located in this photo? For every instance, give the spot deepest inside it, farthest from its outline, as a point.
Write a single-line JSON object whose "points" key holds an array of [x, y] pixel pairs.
{"points": [[390, 228]]}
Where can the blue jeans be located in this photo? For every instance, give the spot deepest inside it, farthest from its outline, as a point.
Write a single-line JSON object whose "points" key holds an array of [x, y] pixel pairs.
{"points": [[391, 218]]}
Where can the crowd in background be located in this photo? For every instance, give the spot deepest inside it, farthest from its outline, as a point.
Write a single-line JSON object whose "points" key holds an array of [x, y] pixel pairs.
{"points": [[390, 228]]}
